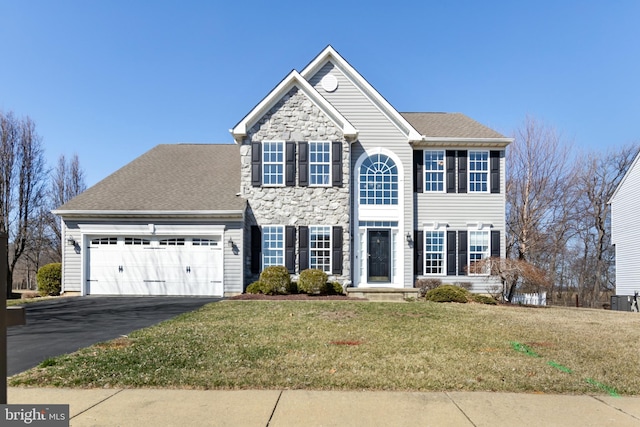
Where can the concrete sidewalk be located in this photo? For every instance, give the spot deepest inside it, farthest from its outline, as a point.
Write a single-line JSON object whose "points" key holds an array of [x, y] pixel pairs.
{"points": [[279, 408]]}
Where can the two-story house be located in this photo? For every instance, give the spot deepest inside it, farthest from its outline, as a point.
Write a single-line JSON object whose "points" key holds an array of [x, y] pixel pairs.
{"points": [[328, 175]]}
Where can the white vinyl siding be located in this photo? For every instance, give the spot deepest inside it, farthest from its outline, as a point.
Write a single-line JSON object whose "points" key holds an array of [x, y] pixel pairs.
{"points": [[458, 211], [625, 233], [71, 258]]}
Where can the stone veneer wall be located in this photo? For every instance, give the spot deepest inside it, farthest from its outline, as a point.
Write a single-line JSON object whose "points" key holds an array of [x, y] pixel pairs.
{"points": [[297, 118]]}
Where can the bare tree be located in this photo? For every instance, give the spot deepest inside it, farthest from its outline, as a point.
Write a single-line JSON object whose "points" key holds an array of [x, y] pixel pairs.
{"points": [[539, 198], [594, 255], [23, 173], [67, 181]]}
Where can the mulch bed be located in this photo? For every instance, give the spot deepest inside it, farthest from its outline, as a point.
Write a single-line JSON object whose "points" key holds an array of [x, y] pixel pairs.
{"points": [[294, 297]]}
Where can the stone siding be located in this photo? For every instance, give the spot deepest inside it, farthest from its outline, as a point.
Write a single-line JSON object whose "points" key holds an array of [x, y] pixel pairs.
{"points": [[296, 118]]}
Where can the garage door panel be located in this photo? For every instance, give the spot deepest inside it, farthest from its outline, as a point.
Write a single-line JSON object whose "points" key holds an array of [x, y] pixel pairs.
{"points": [[133, 268]]}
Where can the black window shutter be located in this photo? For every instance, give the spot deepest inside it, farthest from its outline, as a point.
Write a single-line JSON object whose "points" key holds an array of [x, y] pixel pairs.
{"points": [[418, 250], [303, 164], [337, 250], [462, 253], [494, 167], [256, 249], [303, 247], [290, 164], [451, 171], [418, 167], [462, 171], [256, 164], [495, 243], [336, 164], [451, 253], [290, 248]]}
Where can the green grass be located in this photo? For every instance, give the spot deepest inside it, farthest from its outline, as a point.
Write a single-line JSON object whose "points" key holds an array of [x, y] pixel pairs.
{"points": [[23, 301], [344, 345]]}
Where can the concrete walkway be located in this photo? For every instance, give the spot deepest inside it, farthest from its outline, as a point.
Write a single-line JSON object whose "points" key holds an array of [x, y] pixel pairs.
{"points": [[279, 408]]}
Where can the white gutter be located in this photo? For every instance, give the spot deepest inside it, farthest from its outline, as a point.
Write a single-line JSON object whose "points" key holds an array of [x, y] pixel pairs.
{"points": [[442, 140], [147, 213]]}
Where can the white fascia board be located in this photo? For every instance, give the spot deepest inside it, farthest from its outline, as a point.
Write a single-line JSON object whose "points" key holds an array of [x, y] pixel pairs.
{"points": [[330, 54], [137, 214], [293, 79], [453, 141]]}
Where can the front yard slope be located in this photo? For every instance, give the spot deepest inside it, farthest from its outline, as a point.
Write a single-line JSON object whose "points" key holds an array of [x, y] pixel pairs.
{"points": [[345, 345]]}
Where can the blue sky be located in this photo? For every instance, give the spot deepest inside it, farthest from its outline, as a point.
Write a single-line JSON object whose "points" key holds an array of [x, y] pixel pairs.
{"points": [[109, 80]]}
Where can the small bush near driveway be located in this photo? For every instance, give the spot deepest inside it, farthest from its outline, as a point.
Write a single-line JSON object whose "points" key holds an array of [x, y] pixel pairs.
{"points": [[49, 278]]}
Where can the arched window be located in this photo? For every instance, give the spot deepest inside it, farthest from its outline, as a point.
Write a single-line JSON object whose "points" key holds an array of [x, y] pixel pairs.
{"points": [[378, 181]]}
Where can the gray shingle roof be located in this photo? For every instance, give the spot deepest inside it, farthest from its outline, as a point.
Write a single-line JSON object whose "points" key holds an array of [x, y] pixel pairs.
{"points": [[169, 177], [453, 125]]}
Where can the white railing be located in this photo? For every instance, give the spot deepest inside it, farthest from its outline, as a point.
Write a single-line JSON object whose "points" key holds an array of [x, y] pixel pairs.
{"points": [[539, 298]]}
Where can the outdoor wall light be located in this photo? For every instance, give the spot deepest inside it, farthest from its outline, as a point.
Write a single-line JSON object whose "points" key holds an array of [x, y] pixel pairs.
{"points": [[231, 242], [71, 241], [409, 240]]}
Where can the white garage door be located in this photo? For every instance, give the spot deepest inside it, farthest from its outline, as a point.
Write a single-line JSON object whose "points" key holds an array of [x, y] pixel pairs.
{"points": [[154, 266]]}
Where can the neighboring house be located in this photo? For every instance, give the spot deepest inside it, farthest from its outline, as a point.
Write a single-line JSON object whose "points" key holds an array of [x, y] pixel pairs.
{"points": [[325, 174], [624, 233]]}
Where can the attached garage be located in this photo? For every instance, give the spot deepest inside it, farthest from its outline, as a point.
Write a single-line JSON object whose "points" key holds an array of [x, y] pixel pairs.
{"points": [[162, 265], [168, 223]]}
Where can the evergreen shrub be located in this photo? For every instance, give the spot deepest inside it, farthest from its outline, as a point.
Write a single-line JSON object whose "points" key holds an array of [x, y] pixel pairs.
{"points": [[448, 293], [49, 279]]}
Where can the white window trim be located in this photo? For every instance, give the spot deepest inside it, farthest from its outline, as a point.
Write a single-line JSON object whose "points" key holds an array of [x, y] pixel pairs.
{"points": [[398, 183], [487, 232], [330, 245], [425, 171], [283, 163], [330, 180], [487, 172], [440, 227], [262, 247]]}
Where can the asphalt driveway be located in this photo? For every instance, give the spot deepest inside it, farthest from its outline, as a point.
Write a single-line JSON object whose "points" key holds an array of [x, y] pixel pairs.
{"points": [[65, 325]]}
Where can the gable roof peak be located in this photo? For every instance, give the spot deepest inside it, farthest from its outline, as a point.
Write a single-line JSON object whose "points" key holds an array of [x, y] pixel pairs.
{"points": [[329, 54], [293, 79]]}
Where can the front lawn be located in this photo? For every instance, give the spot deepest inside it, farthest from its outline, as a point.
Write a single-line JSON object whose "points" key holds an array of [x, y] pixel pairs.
{"points": [[348, 345]]}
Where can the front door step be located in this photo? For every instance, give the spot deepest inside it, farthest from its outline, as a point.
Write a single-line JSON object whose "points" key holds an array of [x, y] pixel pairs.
{"points": [[383, 294]]}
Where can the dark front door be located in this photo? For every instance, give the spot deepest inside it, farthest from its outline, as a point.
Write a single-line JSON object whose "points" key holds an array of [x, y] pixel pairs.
{"points": [[379, 255]]}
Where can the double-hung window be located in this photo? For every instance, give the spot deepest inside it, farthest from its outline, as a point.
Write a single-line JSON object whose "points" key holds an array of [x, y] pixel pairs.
{"points": [[320, 163], [478, 249], [478, 171], [433, 171], [273, 163], [272, 245], [320, 248], [434, 248]]}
